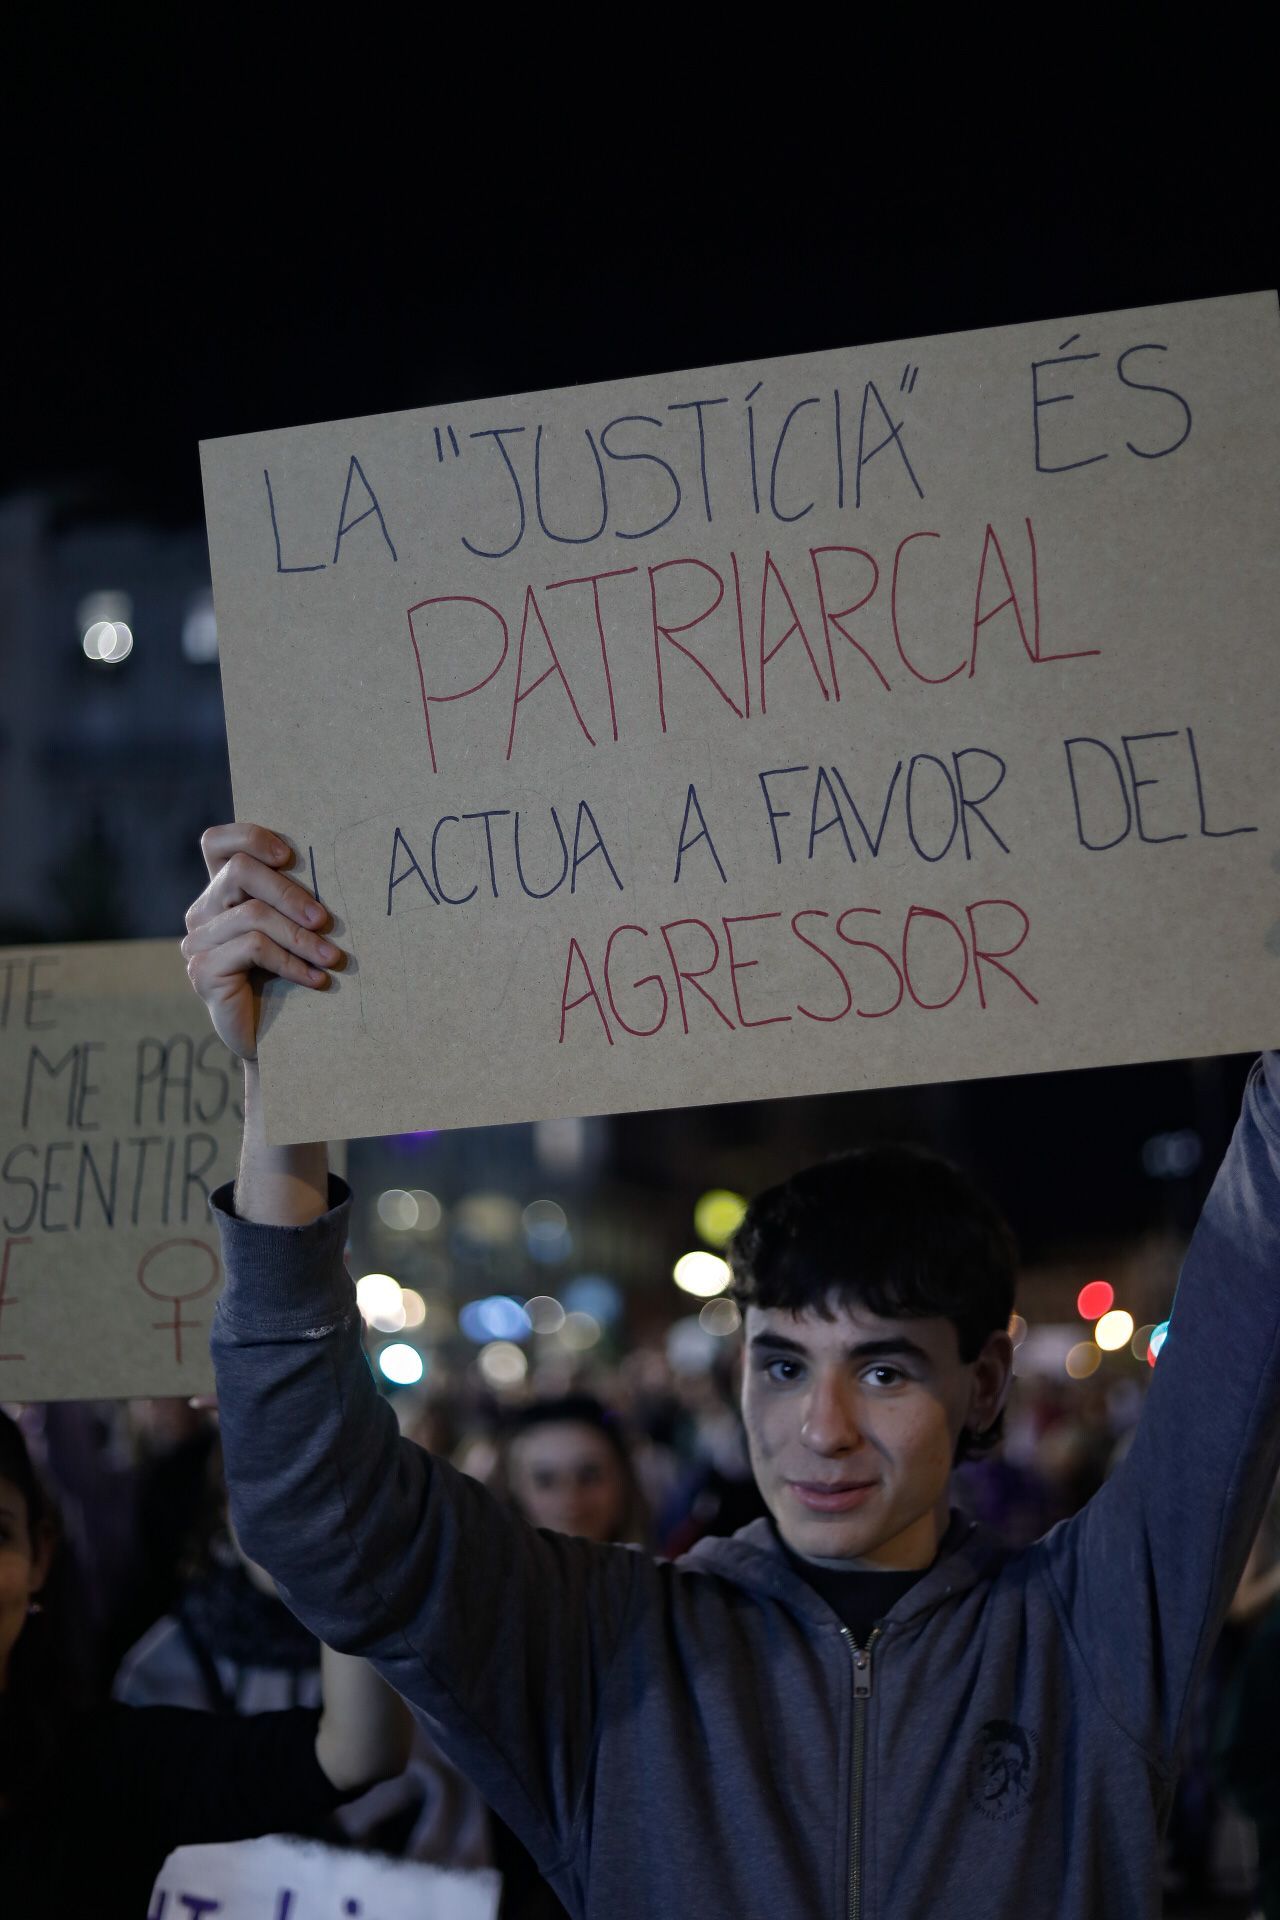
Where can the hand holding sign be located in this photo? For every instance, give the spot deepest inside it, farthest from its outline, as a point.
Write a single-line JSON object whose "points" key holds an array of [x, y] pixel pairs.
{"points": [[251, 919]]}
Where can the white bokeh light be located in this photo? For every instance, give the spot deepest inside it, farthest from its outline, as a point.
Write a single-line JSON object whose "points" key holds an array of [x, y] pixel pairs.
{"points": [[402, 1364], [720, 1317], [398, 1209], [580, 1332], [702, 1274], [502, 1364], [1114, 1330], [378, 1298], [546, 1315]]}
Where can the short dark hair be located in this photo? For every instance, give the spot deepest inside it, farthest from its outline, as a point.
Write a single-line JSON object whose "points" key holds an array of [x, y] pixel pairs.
{"points": [[895, 1229], [584, 1410], [48, 1674], [576, 1410], [16, 1467]]}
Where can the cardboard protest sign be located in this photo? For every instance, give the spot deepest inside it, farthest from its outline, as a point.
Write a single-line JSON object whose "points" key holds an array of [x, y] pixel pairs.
{"points": [[278, 1879], [120, 1112], [899, 713]]}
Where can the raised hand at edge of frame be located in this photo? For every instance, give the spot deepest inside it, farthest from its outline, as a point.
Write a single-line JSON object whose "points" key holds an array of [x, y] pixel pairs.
{"points": [[252, 920]]}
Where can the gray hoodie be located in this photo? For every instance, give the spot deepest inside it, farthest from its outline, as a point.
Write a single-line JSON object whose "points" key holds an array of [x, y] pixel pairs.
{"points": [[703, 1738]]}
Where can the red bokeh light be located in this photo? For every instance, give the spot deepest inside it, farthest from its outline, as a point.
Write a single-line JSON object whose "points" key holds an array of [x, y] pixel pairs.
{"points": [[1095, 1299]]}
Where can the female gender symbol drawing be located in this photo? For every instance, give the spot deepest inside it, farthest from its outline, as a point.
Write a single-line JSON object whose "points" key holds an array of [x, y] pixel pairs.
{"points": [[180, 1298]]}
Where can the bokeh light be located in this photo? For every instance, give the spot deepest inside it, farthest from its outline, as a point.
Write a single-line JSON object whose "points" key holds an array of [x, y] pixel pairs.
{"points": [[378, 1298], [489, 1219], [398, 1209], [1172, 1156], [402, 1364], [580, 1332], [546, 1232], [720, 1317], [1114, 1330], [545, 1314], [1094, 1299], [415, 1307], [718, 1215], [1156, 1342], [592, 1293], [1138, 1344], [109, 641], [430, 1211], [498, 1317], [1083, 1359], [200, 630], [1017, 1329], [103, 621], [702, 1274], [502, 1364]]}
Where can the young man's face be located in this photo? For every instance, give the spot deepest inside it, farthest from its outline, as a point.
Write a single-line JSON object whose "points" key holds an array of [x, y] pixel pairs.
{"points": [[852, 1425]]}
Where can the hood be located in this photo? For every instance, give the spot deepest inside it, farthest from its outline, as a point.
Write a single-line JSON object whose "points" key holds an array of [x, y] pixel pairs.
{"points": [[754, 1558]]}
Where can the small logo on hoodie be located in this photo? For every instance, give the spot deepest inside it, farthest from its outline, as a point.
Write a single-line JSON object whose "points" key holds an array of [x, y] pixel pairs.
{"points": [[1004, 1770]]}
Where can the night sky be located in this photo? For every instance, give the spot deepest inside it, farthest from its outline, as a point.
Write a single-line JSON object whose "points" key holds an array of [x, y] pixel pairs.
{"points": [[197, 244]]}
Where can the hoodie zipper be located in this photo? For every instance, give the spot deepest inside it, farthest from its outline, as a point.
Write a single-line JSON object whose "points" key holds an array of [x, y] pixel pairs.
{"points": [[861, 1658]]}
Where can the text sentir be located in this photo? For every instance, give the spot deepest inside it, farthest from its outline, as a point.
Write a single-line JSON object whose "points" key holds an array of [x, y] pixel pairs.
{"points": [[181, 1091], [120, 1114]]}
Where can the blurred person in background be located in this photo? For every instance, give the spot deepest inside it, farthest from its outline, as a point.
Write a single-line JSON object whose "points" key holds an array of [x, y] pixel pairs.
{"points": [[94, 1798], [717, 1494], [1010, 1489], [640, 1393], [1015, 1500], [566, 1465], [229, 1645], [173, 1508]]}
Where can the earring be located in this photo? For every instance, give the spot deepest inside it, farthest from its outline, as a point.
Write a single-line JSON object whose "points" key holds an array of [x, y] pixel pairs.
{"points": [[35, 1606]]}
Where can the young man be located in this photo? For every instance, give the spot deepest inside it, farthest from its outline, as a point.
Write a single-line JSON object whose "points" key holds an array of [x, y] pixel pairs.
{"points": [[861, 1707]]}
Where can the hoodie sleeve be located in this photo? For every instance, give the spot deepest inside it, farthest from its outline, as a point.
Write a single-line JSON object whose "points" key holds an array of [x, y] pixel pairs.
{"points": [[1145, 1572], [500, 1637]]}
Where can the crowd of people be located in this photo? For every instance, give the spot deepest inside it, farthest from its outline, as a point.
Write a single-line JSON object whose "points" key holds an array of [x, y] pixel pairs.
{"points": [[141, 1595], [858, 1610]]}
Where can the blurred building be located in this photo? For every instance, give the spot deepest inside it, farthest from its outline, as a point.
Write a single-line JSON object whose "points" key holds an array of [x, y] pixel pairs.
{"points": [[112, 750]]}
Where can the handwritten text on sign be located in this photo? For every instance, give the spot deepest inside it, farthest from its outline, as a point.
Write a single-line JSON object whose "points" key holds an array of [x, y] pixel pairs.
{"points": [[283, 1879], [882, 715], [120, 1112]]}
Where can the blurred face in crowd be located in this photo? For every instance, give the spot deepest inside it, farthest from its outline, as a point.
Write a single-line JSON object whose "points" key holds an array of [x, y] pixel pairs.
{"points": [[565, 1475], [852, 1424], [24, 1563]]}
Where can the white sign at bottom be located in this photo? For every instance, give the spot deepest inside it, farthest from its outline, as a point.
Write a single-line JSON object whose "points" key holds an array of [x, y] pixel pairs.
{"points": [[278, 1879]]}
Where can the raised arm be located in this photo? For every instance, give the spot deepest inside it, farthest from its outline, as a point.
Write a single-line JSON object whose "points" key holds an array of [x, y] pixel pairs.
{"points": [[252, 922], [365, 1732], [501, 1637], [1146, 1571]]}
